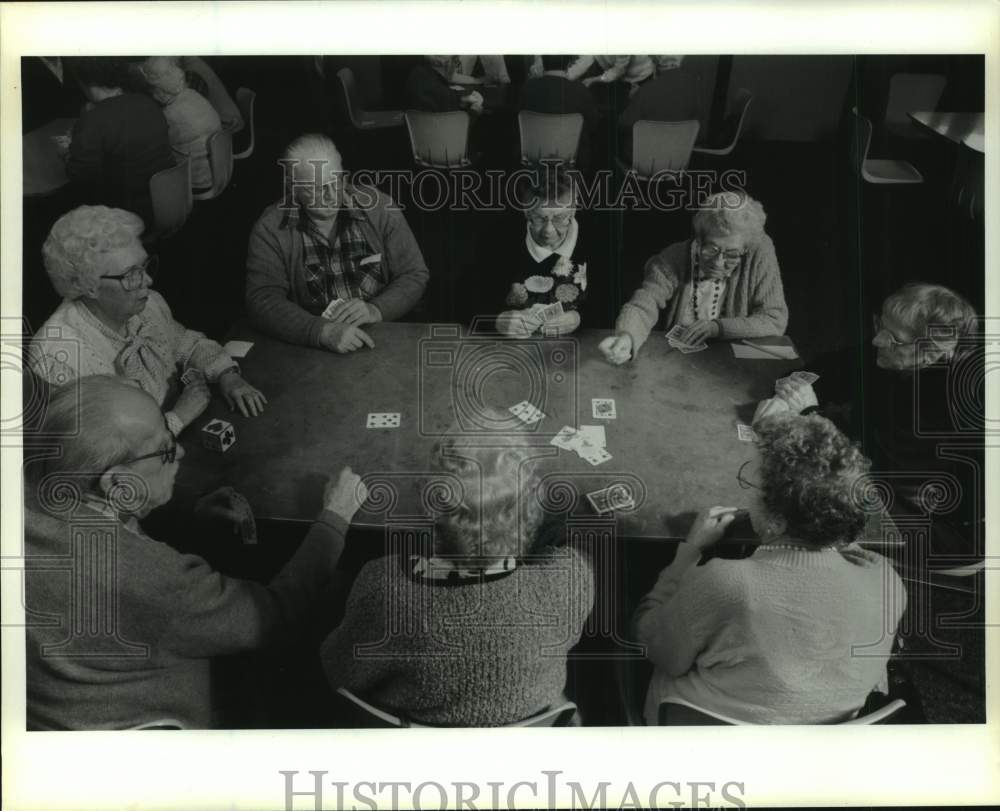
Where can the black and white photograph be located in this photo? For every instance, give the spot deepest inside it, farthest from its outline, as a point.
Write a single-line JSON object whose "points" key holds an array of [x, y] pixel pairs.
{"points": [[583, 400]]}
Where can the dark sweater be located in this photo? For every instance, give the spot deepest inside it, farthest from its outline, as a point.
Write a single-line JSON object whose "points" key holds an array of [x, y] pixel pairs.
{"points": [[468, 654], [173, 613], [428, 90], [118, 145]]}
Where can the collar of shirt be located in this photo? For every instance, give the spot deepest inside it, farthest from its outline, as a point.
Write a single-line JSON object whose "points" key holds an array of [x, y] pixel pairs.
{"points": [[298, 218], [565, 248], [132, 326]]}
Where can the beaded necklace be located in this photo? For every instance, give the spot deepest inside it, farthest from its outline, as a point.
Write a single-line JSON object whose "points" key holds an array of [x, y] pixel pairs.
{"points": [[795, 547], [716, 288]]}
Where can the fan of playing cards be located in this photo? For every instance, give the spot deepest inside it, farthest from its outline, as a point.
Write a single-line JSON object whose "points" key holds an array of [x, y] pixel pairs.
{"points": [[676, 339]]}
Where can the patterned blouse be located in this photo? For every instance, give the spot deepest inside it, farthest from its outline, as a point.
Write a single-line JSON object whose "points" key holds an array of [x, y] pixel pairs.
{"points": [[152, 354]]}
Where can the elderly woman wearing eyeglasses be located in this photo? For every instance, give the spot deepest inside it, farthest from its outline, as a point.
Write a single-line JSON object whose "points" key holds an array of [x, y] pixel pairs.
{"points": [[916, 389], [722, 283], [111, 323], [539, 271], [799, 632]]}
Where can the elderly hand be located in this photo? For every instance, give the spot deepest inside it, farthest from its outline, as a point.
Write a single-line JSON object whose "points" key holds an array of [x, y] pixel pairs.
{"points": [[240, 394], [344, 338], [356, 312], [345, 495], [561, 325], [520, 323], [617, 349], [701, 330], [770, 407], [797, 394], [710, 525], [473, 101], [193, 400], [224, 504]]}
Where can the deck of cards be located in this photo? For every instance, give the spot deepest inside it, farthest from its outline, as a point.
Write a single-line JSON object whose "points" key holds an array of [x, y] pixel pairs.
{"points": [[615, 497], [383, 419], [589, 443], [676, 339], [331, 307], [526, 412]]}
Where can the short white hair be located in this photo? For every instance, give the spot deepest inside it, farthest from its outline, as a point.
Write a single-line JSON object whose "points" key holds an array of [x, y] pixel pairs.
{"points": [[165, 77], [74, 249], [719, 216]]}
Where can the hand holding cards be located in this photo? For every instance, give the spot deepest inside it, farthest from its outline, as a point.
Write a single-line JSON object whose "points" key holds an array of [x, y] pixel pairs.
{"points": [[675, 337]]}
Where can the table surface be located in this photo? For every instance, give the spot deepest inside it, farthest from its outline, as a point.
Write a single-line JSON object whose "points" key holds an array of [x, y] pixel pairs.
{"points": [[44, 169], [967, 128], [674, 440]]}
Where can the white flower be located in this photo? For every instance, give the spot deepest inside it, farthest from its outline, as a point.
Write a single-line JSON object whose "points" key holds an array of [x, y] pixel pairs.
{"points": [[539, 284], [580, 277], [563, 267]]}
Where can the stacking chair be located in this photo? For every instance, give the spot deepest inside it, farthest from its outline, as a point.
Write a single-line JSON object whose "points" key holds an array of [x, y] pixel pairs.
{"points": [[439, 140], [170, 191], [247, 100], [661, 146], [678, 712], [738, 107], [879, 171], [909, 92], [359, 118], [364, 714], [220, 158], [546, 135]]}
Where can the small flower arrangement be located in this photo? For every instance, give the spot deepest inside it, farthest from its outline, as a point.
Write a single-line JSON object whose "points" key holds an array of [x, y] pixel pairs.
{"points": [[566, 282]]}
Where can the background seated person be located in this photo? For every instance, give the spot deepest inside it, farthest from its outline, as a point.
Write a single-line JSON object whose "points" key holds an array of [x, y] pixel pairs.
{"points": [[553, 92], [539, 262], [529, 601], [906, 395], [190, 118], [120, 142], [494, 69], [633, 70], [428, 87], [175, 612], [768, 639], [111, 323], [330, 247], [202, 78], [723, 283], [674, 95]]}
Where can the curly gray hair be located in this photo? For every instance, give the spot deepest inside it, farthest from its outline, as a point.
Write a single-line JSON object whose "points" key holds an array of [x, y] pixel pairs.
{"points": [[164, 76], [74, 249], [809, 471], [722, 215]]}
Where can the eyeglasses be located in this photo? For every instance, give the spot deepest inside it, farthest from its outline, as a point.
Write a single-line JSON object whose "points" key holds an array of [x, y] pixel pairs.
{"points": [[730, 257], [135, 276], [167, 455], [746, 484], [558, 220], [880, 328]]}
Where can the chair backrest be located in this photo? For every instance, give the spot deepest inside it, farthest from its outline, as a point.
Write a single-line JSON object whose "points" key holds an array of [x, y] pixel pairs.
{"points": [[740, 102], [909, 92], [547, 135], [368, 715], [659, 146], [170, 192], [349, 89], [440, 140], [220, 158], [246, 99], [678, 712], [861, 139]]}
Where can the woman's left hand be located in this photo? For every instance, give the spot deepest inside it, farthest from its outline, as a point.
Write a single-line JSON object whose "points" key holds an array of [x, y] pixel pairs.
{"points": [[701, 330], [710, 525], [240, 394], [797, 394]]}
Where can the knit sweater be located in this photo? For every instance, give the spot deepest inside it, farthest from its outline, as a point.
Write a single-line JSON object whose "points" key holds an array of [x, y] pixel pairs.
{"points": [[276, 283], [475, 653], [753, 305], [173, 612], [787, 636]]}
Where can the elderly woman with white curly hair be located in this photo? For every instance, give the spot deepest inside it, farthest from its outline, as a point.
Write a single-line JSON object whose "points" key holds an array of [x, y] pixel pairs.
{"points": [[724, 282], [191, 119], [799, 632], [475, 633], [111, 323]]}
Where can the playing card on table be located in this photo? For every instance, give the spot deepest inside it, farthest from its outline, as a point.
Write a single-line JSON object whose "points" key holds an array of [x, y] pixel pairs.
{"points": [[593, 435], [380, 419], [526, 412], [593, 455], [567, 439], [745, 433], [604, 409], [333, 305], [615, 497]]}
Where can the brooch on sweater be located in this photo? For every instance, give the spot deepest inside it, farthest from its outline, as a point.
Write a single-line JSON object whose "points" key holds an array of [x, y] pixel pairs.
{"points": [[565, 283]]}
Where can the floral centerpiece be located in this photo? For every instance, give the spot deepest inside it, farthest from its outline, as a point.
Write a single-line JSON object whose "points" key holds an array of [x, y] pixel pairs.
{"points": [[566, 282]]}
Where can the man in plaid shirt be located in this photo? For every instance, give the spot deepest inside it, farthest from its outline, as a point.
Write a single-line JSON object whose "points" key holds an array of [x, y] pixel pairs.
{"points": [[330, 256]]}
